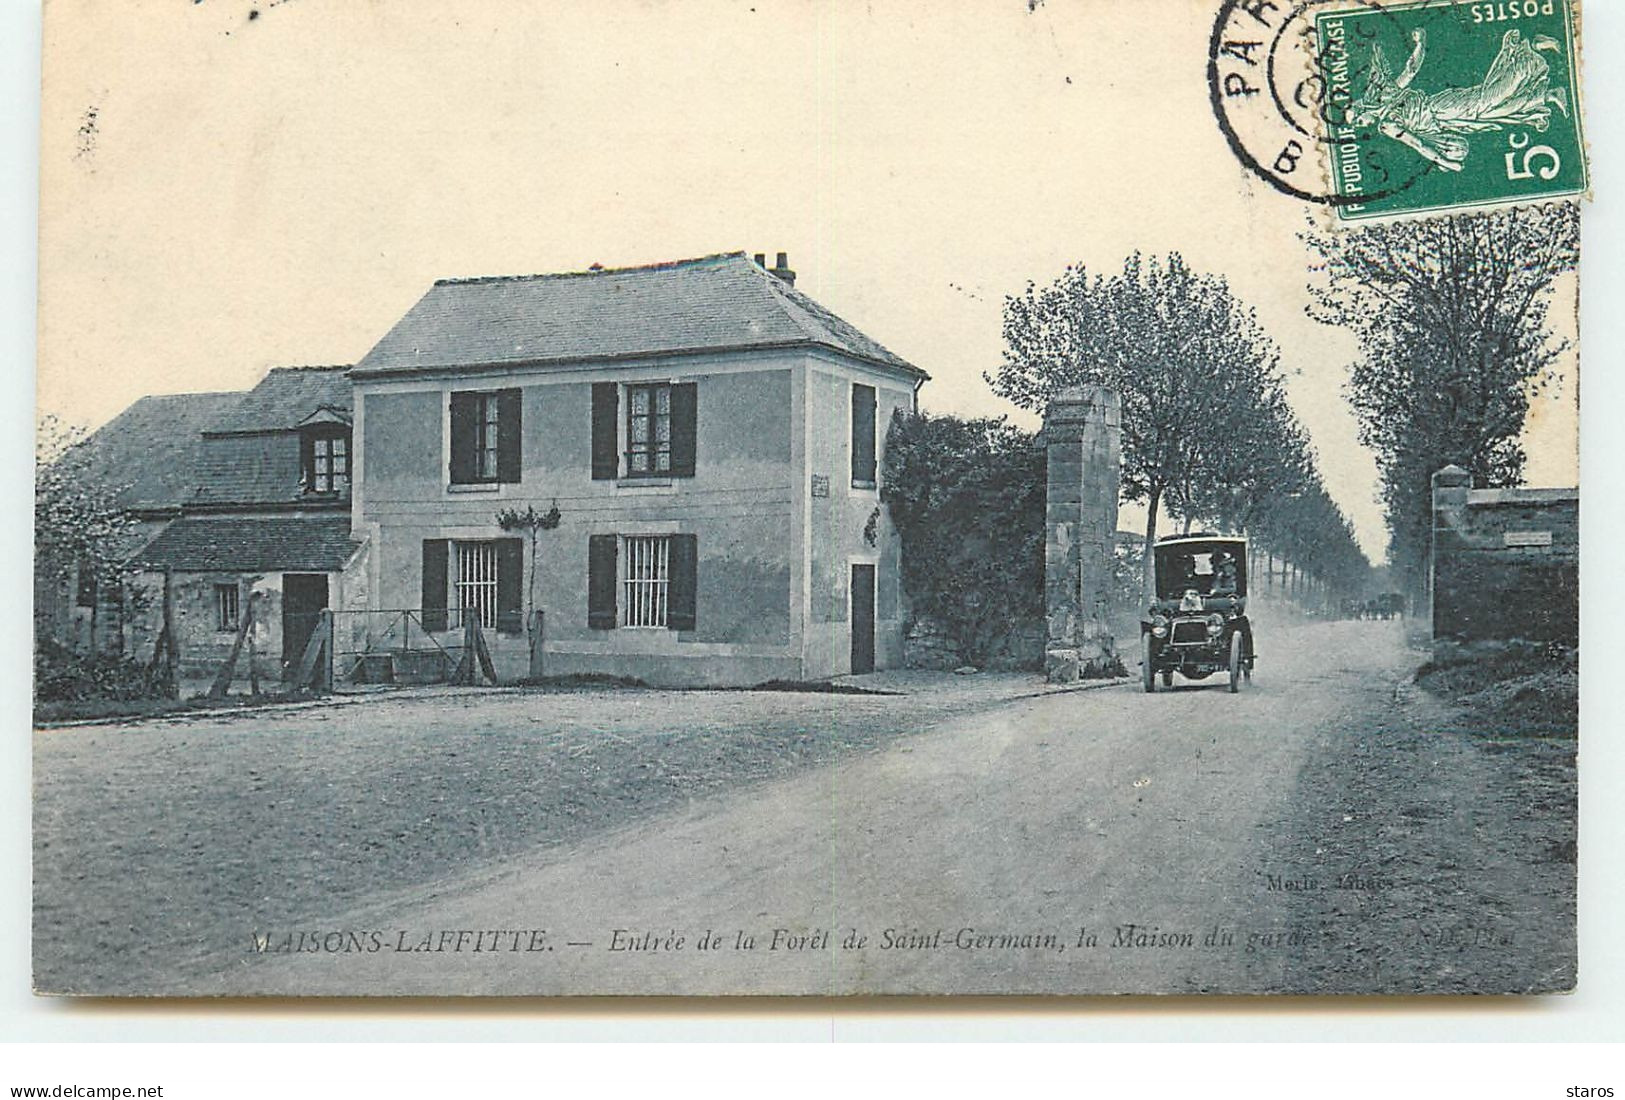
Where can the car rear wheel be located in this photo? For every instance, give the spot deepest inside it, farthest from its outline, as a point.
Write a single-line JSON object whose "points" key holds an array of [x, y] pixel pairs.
{"points": [[1148, 674], [1235, 661]]}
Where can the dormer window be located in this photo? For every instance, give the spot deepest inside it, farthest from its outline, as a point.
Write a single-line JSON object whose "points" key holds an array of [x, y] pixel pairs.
{"points": [[326, 460]]}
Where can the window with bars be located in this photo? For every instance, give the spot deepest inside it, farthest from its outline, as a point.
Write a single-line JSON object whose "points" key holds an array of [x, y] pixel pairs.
{"points": [[327, 462], [648, 579], [648, 430], [477, 581], [227, 603]]}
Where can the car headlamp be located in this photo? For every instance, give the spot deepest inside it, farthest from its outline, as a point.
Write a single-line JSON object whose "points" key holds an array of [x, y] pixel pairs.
{"points": [[1215, 625], [1159, 626]]}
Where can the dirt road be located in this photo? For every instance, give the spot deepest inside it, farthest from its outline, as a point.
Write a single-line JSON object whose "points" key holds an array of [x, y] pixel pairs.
{"points": [[1322, 830]]}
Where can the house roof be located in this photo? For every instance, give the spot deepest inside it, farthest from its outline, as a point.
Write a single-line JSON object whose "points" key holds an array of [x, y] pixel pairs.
{"points": [[251, 544], [724, 302], [286, 397], [153, 448]]}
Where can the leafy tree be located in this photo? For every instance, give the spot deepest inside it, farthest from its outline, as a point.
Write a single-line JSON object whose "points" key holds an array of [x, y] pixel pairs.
{"points": [[1450, 316], [79, 524], [1198, 378], [532, 523], [967, 498]]}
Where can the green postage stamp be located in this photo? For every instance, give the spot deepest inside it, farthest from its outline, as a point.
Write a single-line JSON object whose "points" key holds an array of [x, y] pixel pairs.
{"points": [[1442, 105]]}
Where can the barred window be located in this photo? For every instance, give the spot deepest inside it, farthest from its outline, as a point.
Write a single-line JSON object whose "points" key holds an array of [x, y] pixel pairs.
{"points": [[226, 602], [648, 579], [648, 430], [477, 581]]}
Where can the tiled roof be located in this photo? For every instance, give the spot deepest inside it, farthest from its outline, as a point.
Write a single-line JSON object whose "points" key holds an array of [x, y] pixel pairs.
{"points": [[238, 544], [715, 303], [258, 468], [153, 448], [286, 396]]}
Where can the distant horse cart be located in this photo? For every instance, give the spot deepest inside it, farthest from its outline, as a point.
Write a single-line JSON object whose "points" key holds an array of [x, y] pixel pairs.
{"points": [[1388, 605]]}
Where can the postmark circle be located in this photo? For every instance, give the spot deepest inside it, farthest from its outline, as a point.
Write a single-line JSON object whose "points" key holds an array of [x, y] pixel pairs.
{"points": [[1263, 60]]}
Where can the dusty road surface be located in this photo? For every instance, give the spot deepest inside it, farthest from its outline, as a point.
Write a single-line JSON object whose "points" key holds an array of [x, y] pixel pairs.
{"points": [[1326, 829]]}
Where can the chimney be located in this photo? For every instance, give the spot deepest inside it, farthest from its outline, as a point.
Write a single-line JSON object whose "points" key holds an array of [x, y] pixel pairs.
{"points": [[761, 260], [781, 269]]}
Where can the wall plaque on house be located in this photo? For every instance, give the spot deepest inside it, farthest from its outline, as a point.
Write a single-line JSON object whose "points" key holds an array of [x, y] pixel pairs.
{"points": [[1526, 538], [820, 485]]}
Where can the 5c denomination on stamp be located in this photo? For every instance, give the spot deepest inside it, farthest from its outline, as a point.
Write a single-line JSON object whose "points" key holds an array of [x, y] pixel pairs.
{"points": [[1477, 103]]}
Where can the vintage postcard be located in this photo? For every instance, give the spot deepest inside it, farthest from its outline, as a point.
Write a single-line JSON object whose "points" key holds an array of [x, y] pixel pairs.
{"points": [[816, 498]]}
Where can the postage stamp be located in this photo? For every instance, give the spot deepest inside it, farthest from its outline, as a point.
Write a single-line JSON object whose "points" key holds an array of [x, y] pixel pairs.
{"points": [[1434, 106]]}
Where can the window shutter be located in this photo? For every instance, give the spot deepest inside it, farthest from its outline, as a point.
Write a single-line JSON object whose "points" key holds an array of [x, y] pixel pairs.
{"points": [[307, 461], [601, 551], [684, 425], [436, 562], [510, 586], [684, 566], [606, 459], [509, 432], [863, 435], [464, 413]]}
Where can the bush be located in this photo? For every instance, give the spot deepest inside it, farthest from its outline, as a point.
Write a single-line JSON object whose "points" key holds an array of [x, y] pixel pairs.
{"points": [[967, 499], [61, 675], [1514, 688]]}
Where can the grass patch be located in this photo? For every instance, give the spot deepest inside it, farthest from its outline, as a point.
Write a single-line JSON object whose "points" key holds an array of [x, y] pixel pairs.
{"points": [[814, 687], [1511, 689], [87, 710], [579, 681]]}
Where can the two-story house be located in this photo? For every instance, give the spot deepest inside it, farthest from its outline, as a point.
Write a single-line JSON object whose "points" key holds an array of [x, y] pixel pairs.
{"points": [[710, 435], [264, 529]]}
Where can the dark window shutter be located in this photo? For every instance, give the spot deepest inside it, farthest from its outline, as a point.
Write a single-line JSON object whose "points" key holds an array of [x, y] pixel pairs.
{"points": [[684, 425], [436, 561], [601, 552], [863, 435], [509, 431], [465, 411], [684, 566], [510, 586], [606, 459]]}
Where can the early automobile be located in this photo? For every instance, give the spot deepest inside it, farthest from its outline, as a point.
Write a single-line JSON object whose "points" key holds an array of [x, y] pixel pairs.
{"points": [[1197, 623]]}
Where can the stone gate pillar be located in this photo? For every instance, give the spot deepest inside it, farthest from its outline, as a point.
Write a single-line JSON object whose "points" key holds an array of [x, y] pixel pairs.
{"points": [[1452, 487], [1082, 438]]}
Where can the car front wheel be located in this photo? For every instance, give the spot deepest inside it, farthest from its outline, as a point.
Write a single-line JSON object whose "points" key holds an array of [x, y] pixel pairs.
{"points": [[1235, 662]]}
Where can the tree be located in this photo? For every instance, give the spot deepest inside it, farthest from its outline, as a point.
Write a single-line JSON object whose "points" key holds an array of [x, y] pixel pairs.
{"points": [[1450, 318], [532, 523], [81, 531], [1198, 378]]}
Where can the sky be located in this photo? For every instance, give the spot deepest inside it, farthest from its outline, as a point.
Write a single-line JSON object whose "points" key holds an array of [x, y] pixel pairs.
{"points": [[231, 186]]}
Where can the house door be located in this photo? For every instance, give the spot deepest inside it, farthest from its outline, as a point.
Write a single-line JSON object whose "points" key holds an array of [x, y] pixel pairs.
{"points": [[863, 618], [304, 598]]}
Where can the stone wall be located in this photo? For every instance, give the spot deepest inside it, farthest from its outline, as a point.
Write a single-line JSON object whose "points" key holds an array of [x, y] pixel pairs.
{"points": [[928, 645], [1505, 562]]}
